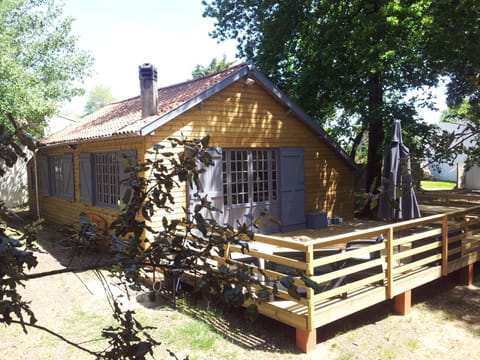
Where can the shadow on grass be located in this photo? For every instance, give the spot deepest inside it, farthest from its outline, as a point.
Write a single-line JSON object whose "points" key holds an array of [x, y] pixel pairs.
{"points": [[454, 302], [262, 334]]}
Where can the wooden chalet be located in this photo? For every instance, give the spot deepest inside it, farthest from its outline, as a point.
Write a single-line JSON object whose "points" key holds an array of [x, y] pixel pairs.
{"points": [[271, 155]]}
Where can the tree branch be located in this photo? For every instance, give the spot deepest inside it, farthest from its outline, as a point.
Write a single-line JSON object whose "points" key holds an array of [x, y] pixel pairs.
{"points": [[58, 271]]}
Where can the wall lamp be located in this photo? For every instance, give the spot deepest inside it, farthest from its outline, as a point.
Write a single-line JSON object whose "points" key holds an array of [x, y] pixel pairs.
{"points": [[249, 81]]}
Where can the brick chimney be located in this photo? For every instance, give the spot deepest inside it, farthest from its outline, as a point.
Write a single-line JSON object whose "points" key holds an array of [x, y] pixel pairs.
{"points": [[148, 89]]}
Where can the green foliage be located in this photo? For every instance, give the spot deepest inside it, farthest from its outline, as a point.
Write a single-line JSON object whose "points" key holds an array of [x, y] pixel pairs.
{"points": [[353, 64], [10, 150], [454, 48], [88, 238], [185, 244], [458, 114], [98, 97], [214, 66], [39, 63], [16, 257], [458, 56]]}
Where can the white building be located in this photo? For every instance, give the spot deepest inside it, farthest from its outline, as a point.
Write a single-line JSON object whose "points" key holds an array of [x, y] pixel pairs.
{"points": [[448, 172], [469, 180]]}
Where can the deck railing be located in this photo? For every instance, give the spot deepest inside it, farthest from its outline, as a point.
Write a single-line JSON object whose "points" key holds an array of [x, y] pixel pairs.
{"points": [[348, 278], [447, 197]]}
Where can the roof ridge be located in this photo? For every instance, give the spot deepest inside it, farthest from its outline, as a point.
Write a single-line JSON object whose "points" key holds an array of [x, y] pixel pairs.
{"points": [[230, 68]]}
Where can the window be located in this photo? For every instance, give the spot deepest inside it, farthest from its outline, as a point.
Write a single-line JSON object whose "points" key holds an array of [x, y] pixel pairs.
{"points": [[249, 176], [102, 177], [107, 179], [56, 175]]}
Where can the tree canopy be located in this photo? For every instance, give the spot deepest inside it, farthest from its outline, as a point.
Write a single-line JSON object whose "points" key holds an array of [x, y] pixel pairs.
{"points": [[353, 65], [214, 66], [464, 88], [40, 64], [98, 97]]}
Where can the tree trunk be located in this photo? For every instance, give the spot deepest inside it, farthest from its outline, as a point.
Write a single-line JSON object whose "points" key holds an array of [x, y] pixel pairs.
{"points": [[356, 142], [375, 134]]}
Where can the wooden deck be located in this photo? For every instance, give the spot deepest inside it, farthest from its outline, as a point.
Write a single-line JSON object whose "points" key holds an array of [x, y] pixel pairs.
{"points": [[414, 253], [351, 277]]}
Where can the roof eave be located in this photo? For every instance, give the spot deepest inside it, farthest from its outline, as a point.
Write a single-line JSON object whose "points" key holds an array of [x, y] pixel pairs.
{"points": [[87, 140]]}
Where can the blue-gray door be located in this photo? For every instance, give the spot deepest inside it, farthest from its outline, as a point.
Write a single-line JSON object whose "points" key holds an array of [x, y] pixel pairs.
{"points": [[292, 189]]}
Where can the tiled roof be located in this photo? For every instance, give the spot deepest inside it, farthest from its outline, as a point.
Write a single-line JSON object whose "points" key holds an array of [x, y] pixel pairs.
{"points": [[124, 118]]}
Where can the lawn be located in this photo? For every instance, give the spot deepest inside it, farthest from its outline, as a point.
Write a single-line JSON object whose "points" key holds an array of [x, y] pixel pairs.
{"points": [[432, 184]]}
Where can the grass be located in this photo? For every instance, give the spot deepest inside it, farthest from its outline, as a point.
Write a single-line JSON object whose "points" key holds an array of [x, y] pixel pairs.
{"points": [[413, 345], [193, 334], [432, 184]]}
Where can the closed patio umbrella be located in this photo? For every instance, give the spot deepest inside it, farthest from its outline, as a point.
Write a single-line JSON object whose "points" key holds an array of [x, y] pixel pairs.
{"points": [[397, 201]]}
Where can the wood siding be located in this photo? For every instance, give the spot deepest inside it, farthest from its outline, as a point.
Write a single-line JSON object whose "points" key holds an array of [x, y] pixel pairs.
{"points": [[68, 212], [243, 116]]}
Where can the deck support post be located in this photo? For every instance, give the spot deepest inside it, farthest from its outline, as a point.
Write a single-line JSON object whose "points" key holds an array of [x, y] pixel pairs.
{"points": [[465, 275], [306, 340], [403, 303]]}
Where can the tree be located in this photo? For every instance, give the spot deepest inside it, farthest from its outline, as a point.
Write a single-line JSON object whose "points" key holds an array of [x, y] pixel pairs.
{"points": [[352, 64], [98, 97], [215, 65], [39, 66], [39, 63], [463, 68]]}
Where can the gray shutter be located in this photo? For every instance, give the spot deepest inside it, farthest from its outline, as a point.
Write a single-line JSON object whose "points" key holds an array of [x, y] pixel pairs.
{"points": [[292, 189], [31, 176], [44, 178], [212, 184], [125, 159], [86, 178], [68, 184]]}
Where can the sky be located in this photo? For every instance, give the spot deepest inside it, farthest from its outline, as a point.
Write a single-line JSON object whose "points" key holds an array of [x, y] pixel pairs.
{"points": [[170, 34], [121, 35]]}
